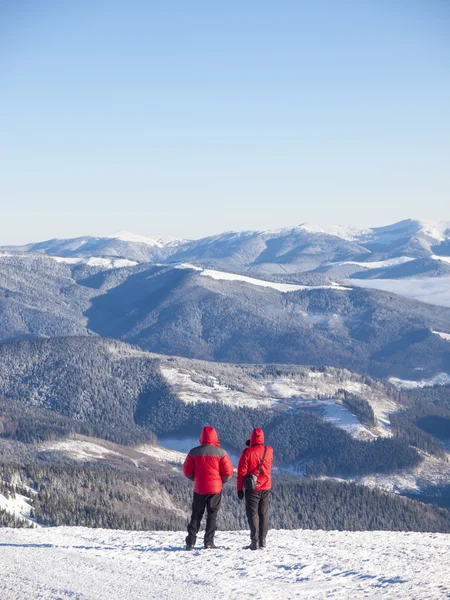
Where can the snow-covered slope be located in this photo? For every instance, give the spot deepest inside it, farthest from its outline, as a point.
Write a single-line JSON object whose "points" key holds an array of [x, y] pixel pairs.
{"points": [[83, 564], [296, 249], [18, 505], [312, 389]]}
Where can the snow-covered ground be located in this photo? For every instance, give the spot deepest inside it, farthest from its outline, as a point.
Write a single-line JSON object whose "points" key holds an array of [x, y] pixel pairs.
{"points": [[94, 261], [17, 505], [434, 290], [280, 287], [164, 453], [300, 391], [406, 384], [379, 264], [444, 336], [95, 564], [78, 448]]}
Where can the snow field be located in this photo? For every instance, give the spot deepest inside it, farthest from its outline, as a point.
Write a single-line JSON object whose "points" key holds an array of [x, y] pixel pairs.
{"points": [[83, 564], [441, 334], [379, 264], [280, 287], [94, 261], [192, 387], [406, 384]]}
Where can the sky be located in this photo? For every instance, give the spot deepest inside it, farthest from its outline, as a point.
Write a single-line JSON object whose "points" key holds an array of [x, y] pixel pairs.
{"points": [[191, 118]]}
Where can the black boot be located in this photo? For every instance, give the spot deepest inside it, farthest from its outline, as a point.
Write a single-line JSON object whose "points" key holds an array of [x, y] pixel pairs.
{"points": [[190, 541], [210, 546], [253, 546], [262, 543]]}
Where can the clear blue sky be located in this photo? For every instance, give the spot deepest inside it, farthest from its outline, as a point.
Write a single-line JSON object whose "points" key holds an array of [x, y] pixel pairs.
{"points": [[188, 118]]}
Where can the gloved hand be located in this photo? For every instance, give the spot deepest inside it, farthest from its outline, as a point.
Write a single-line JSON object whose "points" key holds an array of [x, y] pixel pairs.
{"points": [[241, 494]]}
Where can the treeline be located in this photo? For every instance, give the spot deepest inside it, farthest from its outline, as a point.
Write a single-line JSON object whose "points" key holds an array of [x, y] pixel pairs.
{"points": [[106, 389], [7, 519], [98, 496], [303, 435], [359, 407], [405, 427], [425, 419]]}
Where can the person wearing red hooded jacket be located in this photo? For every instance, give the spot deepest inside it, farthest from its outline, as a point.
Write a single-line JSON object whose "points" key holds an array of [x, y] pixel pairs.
{"points": [[256, 460], [209, 467]]}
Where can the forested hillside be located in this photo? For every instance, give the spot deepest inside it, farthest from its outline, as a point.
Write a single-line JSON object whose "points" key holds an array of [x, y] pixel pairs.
{"points": [[197, 313], [99, 496], [105, 388]]}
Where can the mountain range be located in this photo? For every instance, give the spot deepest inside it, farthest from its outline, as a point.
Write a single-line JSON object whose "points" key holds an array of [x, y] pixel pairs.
{"points": [[202, 313], [298, 249], [282, 329]]}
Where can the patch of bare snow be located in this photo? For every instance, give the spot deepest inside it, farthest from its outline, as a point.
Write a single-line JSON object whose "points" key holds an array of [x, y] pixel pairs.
{"points": [[316, 390], [94, 261], [441, 334], [445, 259], [17, 505], [378, 264], [345, 232], [162, 454], [78, 449], [191, 391], [405, 384], [126, 236], [280, 287]]}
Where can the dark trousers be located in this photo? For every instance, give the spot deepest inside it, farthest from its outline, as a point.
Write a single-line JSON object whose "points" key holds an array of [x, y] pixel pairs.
{"points": [[212, 504], [257, 509]]}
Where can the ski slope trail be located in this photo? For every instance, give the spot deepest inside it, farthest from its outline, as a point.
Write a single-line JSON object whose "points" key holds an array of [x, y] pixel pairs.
{"points": [[96, 564]]}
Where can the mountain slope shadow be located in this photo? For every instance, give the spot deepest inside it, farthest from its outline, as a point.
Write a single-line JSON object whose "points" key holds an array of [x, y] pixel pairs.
{"points": [[117, 312]]}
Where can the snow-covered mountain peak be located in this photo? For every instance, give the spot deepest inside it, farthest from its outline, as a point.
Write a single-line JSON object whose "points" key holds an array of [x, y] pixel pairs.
{"points": [[345, 232], [126, 236], [436, 230]]}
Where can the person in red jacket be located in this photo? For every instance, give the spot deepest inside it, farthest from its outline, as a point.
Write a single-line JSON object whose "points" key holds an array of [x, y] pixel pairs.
{"points": [[209, 467], [256, 501]]}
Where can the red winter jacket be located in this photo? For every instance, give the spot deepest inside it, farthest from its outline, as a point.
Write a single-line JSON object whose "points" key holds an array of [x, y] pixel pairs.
{"points": [[250, 459], [208, 465]]}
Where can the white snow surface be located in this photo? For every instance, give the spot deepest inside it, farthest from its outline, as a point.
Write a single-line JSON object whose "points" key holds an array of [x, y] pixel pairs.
{"points": [[444, 336], [315, 390], [379, 264], [280, 287], [406, 384], [126, 236], [95, 564], [78, 448], [164, 454], [345, 232], [437, 231], [17, 505], [445, 259], [434, 290], [96, 261]]}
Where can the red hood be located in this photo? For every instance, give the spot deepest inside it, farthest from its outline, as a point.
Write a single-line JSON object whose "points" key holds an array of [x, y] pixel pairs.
{"points": [[209, 436], [257, 437]]}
